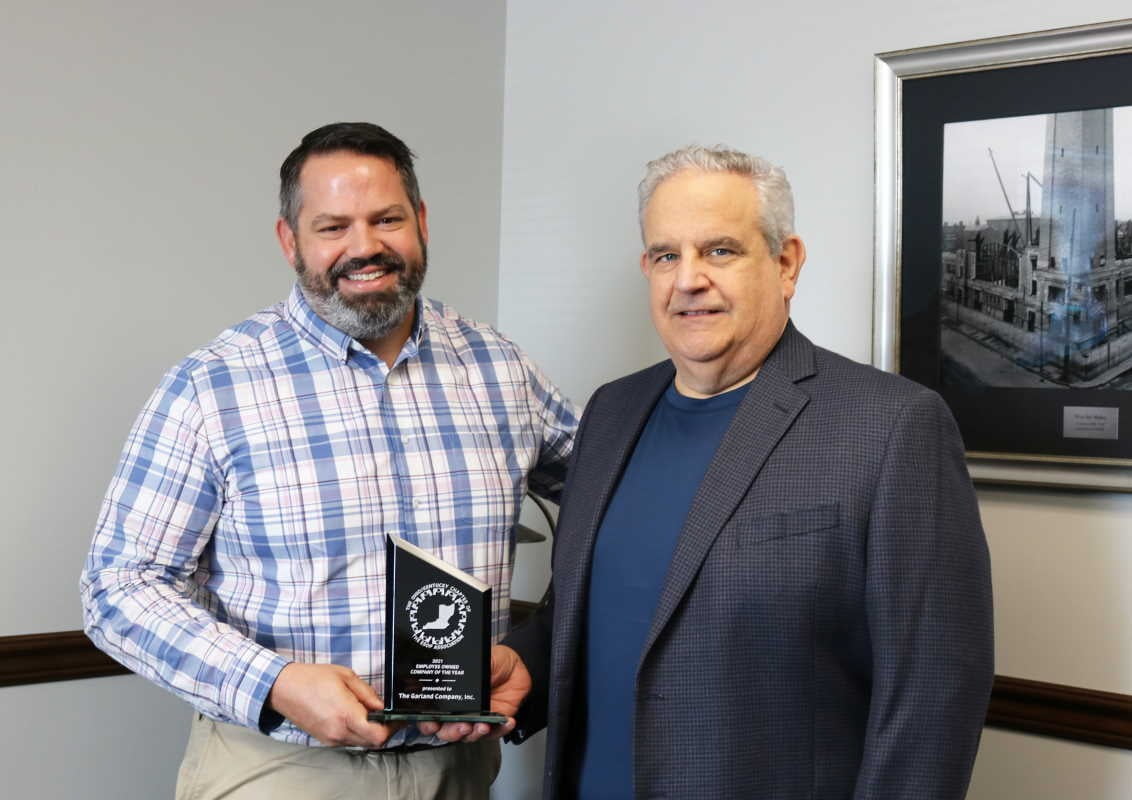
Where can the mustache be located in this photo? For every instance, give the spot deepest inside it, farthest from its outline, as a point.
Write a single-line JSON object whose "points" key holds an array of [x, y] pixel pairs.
{"points": [[389, 261]]}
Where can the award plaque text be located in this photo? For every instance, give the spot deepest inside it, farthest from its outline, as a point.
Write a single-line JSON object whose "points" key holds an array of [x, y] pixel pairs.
{"points": [[437, 640]]}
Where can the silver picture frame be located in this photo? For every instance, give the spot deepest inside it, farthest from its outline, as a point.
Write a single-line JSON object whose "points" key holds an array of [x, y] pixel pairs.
{"points": [[894, 73]]}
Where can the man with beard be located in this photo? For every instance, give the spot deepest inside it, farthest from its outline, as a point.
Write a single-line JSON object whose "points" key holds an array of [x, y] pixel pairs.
{"points": [[239, 559]]}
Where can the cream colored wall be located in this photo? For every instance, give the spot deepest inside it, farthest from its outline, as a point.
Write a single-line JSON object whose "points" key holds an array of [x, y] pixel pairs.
{"points": [[1062, 562], [594, 88]]}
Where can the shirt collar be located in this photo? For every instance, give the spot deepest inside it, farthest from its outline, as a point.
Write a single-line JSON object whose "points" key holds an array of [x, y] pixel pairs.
{"points": [[338, 344]]}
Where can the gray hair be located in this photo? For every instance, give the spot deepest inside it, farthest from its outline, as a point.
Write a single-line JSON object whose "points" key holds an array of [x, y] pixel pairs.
{"points": [[776, 200]]}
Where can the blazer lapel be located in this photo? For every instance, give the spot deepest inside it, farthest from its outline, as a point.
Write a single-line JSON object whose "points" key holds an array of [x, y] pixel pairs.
{"points": [[762, 419], [615, 430]]}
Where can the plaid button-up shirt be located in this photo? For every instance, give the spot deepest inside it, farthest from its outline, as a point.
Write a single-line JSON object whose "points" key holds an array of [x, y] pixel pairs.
{"points": [[244, 527]]}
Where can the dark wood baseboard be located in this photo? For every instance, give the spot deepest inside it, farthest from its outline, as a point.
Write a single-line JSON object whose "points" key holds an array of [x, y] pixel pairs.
{"points": [[1049, 709]]}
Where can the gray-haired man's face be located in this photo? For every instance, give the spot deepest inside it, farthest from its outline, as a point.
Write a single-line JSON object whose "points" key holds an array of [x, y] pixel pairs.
{"points": [[718, 299]]}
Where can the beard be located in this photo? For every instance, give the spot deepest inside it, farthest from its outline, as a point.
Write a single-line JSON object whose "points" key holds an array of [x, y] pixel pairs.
{"points": [[371, 316]]}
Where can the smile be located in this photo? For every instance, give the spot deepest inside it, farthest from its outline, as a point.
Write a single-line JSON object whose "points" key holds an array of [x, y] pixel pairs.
{"points": [[371, 276]]}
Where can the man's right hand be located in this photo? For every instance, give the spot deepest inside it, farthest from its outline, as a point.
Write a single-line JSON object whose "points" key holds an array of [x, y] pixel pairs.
{"points": [[510, 685], [330, 702]]}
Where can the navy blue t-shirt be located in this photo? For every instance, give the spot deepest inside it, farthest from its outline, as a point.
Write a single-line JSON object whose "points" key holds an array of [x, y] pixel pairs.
{"points": [[631, 556]]}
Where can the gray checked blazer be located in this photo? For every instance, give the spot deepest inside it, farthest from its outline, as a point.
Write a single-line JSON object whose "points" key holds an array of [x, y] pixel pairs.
{"points": [[825, 626]]}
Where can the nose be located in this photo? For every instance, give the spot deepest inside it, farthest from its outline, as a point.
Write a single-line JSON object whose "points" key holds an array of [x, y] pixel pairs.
{"points": [[691, 274], [364, 241]]}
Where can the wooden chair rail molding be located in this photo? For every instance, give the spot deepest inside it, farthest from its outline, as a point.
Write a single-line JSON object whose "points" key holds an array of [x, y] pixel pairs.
{"points": [[43, 657], [1049, 709], [1065, 712], [69, 655]]}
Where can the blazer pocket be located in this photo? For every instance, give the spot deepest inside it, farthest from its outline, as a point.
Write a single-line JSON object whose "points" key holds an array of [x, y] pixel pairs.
{"points": [[758, 528]]}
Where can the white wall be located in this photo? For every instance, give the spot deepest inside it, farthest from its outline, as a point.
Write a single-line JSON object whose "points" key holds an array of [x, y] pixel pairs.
{"points": [[139, 157], [594, 88], [117, 738]]}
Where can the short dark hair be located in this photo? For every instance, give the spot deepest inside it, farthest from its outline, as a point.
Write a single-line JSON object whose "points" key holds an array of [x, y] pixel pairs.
{"points": [[363, 138]]}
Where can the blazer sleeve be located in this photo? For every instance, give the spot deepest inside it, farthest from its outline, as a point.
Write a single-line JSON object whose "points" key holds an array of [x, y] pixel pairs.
{"points": [[534, 638], [928, 601], [531, 641]]}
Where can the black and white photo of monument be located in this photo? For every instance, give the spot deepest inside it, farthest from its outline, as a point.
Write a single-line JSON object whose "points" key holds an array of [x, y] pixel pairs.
{"points": [[1036, 277]]}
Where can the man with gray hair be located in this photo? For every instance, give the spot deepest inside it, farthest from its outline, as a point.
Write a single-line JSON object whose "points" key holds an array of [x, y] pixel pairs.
{"points": [[770, 577]]}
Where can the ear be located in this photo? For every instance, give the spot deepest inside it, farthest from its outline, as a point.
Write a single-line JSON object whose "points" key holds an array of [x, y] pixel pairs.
{"points": [[286, 238], [645, 264], [790, 262], [422, 221]]}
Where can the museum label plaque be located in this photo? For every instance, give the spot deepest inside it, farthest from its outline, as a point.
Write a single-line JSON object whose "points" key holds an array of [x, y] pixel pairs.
{"points": [[438, 640]]}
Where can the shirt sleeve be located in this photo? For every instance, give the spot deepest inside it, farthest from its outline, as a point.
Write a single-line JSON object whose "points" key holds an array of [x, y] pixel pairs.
{"points": [[557, 419], [139, 583]]}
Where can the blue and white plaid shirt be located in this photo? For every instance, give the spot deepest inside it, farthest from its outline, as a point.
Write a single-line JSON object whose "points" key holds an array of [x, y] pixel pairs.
{"points": [[244, 527]]}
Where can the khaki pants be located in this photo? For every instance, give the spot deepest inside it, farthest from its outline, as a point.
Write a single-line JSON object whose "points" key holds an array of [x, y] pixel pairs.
{"points": [[235, 763]]}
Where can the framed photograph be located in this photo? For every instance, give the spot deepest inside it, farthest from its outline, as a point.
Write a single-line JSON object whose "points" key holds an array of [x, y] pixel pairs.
{"points": [[1004, 246]]}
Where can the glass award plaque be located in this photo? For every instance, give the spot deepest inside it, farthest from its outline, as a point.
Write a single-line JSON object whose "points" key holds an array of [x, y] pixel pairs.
{"points": [[437, 640]]}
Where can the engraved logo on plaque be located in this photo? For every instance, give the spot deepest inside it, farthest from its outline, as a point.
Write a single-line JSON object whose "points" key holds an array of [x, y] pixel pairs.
{"points": [[438, 613]]}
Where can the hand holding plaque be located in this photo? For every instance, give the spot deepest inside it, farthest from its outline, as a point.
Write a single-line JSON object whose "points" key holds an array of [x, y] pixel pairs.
{"points": [[437, 640]]}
